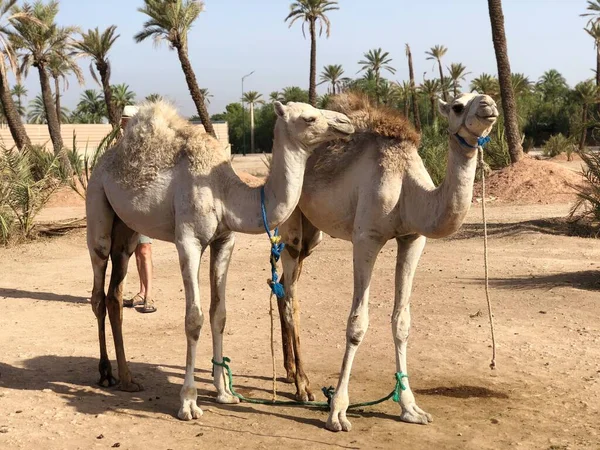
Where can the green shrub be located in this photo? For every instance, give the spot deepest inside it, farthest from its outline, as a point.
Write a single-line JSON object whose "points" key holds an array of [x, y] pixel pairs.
{"points": [[587, 206], [434, 153], [558, 144]]}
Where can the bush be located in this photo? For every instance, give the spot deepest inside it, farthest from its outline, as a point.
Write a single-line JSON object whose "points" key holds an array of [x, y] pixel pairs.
{"points": [[587, 206], [558, 144], [434, 153], [27, 180]]}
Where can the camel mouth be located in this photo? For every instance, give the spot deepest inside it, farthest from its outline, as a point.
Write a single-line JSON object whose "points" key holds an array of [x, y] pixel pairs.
{"points": [[345, 129], [491, 118]]}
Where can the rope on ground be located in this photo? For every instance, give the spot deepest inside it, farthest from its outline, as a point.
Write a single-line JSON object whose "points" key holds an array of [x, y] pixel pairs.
{"points": [[329, 392], [485, 258]]}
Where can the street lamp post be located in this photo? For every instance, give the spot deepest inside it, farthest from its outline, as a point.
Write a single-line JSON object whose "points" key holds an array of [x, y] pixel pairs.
{"points": [[244, 115]]}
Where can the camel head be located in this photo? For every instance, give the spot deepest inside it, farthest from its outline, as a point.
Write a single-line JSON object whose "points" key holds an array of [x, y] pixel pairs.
{"points": [[309, 126], [470, 115]]}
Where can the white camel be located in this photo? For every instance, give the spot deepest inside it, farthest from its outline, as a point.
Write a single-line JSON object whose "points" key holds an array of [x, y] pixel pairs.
{"points": [[168, 180], [368, 191]]}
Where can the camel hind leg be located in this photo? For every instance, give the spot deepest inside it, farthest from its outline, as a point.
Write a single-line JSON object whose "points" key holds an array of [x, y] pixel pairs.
{"points": [[124, 241], [100, 217]]}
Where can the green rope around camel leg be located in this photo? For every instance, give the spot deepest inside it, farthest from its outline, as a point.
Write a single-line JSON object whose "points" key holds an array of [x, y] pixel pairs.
{"points": [[328, 392]]}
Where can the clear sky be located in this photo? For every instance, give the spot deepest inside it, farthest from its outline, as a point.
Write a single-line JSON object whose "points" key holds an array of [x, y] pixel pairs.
{"points": [[234, 37]]}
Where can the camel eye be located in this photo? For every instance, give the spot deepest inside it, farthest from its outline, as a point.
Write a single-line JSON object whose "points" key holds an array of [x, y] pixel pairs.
{"points": [[458, 108], [310, 119]]}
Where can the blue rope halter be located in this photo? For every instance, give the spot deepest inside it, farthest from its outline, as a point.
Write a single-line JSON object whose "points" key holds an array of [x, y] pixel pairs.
{"points": [[276, 248], [481, 141]]}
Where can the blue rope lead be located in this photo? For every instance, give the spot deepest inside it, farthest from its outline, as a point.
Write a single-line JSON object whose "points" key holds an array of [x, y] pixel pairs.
{"points": [[276, 248], [481, 141]]}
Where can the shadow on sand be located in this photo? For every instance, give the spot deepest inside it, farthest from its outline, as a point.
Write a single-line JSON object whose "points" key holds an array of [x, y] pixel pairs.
{"points": [[37, 295]]}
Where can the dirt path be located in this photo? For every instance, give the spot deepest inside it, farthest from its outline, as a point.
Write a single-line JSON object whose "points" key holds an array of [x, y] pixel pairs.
{"points": [[545, 393]]}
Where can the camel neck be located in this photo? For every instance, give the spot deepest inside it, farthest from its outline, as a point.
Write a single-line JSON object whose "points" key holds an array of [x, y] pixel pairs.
{"points": [[282, 189], [442, 210]]}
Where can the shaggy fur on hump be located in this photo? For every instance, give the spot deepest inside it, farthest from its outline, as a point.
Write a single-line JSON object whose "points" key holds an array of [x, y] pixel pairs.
{"points": [[156, 139], [381, 131], [380, 120]]}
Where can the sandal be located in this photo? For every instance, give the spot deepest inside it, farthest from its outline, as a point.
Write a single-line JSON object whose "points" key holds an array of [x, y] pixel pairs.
{"points": [[147, 307], [135, 301]]}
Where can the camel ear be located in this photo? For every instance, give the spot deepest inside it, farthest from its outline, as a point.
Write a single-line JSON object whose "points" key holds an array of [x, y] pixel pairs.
{"points": [[280, 110], [443, 107]]}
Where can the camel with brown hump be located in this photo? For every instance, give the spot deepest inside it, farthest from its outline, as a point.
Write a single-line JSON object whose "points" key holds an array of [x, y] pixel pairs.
{"points": [[368, 191], [169, 180]]}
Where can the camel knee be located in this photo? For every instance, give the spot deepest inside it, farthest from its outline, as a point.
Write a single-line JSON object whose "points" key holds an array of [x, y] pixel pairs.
{"points": [[193, 323], [357, 328], [98, 304]]}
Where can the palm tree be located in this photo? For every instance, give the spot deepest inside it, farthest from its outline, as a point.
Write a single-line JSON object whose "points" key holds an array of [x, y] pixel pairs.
{"points": [[311, 12], [588, 94], [171, 20], [7, 53], [294, 94], [153, 98], [457, 73], [404, 93], [19, 91], [521, 84], [332, 74], [207, 95], [593, 29], [436, 53], [91, 107], [552, 85], [485, 84], [509, 105], [431, 89], [122, 96], [39, 41], [252, 98], [96, 45], [415, 101], [60, 66], [389, 93], [594, 8], [275, 96], [36, 111], [376, 60]]}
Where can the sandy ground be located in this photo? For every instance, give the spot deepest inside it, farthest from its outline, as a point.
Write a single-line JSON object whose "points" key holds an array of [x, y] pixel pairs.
{"points": [[545, 393]]}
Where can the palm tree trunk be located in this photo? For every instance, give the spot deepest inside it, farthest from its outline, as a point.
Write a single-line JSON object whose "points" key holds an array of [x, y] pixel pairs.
{"points": [[50, 109], [251, 127], [15, 124], [455, 88], [444, 93], [57, 100], [433, 110], [415, 104], [377, 86], [598, 70], [406, 104], [195, 91], [114, 118], [583, 127], [509, 105], [312, 84], [333, 87]]}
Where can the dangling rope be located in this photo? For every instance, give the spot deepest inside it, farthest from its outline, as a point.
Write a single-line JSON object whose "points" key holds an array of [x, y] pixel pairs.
{"points": [[276, 248], [480, 143]]}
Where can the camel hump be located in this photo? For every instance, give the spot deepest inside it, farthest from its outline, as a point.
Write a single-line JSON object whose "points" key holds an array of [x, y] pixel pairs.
{"points": [[156, 139], [369, 118]]}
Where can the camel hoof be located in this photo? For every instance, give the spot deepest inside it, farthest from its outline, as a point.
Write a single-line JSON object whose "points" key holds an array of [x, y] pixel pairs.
{"points": [[131, 386], [227, 399], [414, 414], [108, 381], [189, 410], [338, 422], [305, 396]]}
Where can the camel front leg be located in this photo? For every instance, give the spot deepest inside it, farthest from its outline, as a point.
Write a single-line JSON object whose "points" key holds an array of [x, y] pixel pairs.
{"points": [[410, 249], [220, 256], [190, 252], [365, 251]]}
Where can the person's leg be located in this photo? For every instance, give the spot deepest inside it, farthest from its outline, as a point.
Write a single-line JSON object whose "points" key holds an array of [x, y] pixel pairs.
{"points": [[140, 268], [144, 249]]}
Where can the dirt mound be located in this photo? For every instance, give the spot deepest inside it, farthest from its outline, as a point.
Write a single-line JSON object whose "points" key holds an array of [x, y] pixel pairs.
{"points": [[531, 181]]}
